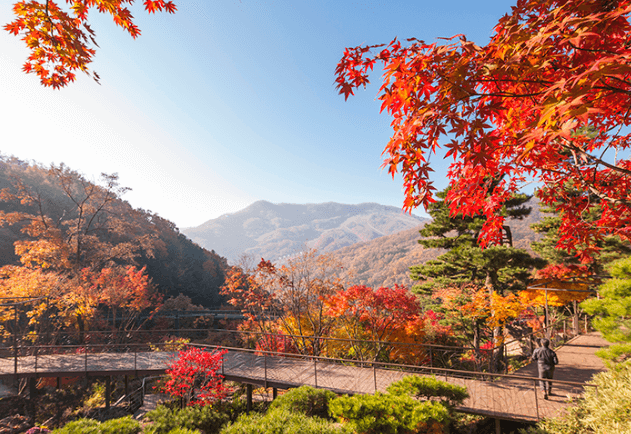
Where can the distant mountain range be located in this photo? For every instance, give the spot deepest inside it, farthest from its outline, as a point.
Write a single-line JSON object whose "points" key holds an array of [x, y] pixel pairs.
{"points": [[274, 231]]}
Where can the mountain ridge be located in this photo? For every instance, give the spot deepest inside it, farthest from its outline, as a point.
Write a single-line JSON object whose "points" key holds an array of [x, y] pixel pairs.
{"points": [[277, 230]]}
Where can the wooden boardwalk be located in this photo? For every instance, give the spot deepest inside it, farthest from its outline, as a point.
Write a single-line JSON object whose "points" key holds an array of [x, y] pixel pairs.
{"points": [[505, 397]]}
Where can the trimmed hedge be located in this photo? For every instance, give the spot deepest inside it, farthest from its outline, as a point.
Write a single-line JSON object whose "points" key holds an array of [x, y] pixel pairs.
{"points": [[305, 400], [283, 421], [428, 387], [383, 413], [207, 418]]}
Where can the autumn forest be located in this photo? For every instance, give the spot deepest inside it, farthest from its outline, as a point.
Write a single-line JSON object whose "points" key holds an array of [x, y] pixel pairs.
{"points": [[544, 102]]}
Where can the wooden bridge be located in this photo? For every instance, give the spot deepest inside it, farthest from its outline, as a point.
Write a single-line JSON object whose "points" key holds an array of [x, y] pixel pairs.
{"points": [[509, 397]]}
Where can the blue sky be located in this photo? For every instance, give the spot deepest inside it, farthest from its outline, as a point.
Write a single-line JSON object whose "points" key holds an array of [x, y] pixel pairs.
{"points": [[227, 102]]}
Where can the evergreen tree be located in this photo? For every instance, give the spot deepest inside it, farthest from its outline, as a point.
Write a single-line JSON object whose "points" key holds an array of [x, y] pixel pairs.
{"points": [[610, 248], [613, 311], [500, 268]]}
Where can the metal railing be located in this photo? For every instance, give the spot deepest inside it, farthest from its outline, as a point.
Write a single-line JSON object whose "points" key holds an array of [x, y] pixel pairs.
{"points": [[489, 391], [412, 353]]}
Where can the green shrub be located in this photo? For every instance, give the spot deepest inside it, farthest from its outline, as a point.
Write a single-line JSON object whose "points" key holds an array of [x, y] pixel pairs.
{"points": [[282, 421], [209, 419], [428, 387], [305, 400], [184, 431], [383, 413], [79, 426], [123, 425], [602, 411]]}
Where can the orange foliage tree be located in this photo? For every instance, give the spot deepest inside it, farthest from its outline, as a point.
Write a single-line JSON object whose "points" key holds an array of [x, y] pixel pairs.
{"points": [[287, 299], [567, 286], [374, 318], [546, 99], [59, 40], [72, 251]]}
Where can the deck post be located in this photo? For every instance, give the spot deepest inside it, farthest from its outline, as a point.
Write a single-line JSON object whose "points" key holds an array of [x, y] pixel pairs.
{"points": [[585, 324], [534, 382], [32, 394], [274, 393], [498, 426], [108, 391], [248, 390], [374, 374]]}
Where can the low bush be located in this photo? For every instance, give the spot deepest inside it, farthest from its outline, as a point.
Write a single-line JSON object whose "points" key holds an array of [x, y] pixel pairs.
{"points": [[383, 413], [209, 419], [184, 431], [428, 387], [305, 400], [282, 421], [123, 425], [79, 426]]}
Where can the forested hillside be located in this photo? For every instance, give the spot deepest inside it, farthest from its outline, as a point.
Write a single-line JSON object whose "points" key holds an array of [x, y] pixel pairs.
{"points": [[385, 261], [98, 229]]}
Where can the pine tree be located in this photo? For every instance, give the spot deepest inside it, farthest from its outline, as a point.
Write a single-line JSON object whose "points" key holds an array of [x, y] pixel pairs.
{"points": [[501, 268]]}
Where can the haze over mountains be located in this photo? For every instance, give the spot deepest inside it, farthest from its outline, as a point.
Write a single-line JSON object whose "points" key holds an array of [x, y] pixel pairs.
{"points": [[274, 231]]}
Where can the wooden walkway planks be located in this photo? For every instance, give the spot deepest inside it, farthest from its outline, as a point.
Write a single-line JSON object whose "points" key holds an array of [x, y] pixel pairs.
{"points": [[510, 398]]}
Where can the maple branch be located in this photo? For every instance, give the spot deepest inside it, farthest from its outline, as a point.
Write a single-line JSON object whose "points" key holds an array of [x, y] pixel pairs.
{"points": [[572, 147], [590, 50]]}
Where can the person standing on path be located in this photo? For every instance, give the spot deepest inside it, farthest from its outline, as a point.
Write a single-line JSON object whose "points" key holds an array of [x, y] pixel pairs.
{"points": [[546, 361]]}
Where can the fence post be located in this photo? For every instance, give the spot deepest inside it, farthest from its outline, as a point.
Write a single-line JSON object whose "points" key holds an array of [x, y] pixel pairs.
{"points": [[265, 367], [374, 374], [431, 357], [315, 372], [86, 358], [136, 359], [534, 382], [36, 360]]}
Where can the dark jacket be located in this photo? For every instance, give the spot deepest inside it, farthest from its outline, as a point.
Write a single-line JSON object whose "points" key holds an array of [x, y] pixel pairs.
{"points": [[545, 357]]}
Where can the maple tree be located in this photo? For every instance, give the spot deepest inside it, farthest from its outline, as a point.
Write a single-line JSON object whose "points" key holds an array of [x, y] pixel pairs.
{"points": [[288, 298], [545, 100], [59, 40], [374, 318], [72, 251], [194, 377], [610, 247]]}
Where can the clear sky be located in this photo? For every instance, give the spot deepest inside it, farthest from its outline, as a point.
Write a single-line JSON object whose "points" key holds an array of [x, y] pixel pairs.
{"points": [[227, 102]]}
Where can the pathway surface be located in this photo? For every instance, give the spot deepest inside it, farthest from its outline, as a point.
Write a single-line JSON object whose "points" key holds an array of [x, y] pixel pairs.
{"points": [[577, 359], [503, 397]]}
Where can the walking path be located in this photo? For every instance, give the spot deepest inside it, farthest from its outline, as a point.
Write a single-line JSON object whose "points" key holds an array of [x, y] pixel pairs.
{"points": [[504, 397], [577, 359]]}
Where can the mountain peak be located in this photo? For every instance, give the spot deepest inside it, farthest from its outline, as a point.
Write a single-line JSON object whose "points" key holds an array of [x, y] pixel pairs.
{"points": [[272, 230]]}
